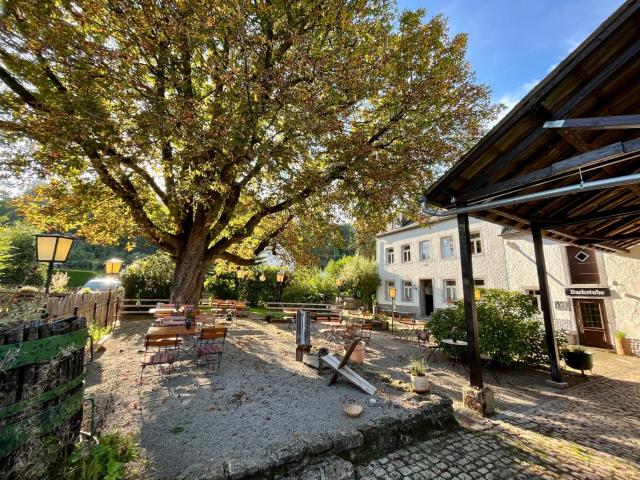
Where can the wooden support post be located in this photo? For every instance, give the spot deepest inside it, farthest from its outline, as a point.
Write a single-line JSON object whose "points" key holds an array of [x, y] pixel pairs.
{"points": [[545, 304], [471, 318]]}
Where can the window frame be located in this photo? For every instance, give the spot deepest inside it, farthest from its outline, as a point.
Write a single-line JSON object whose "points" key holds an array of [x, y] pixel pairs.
{"points": [[428, 257], [387, 251], [406, 248], [446, 287], [453, 247], [407, 285], [477, 240]]}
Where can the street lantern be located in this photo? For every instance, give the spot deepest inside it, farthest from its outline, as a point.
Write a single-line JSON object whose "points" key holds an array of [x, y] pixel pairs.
{"points": [[338, 282], [263, 278], [279, 277], [392, 295], [52, 248], [112, 266]]}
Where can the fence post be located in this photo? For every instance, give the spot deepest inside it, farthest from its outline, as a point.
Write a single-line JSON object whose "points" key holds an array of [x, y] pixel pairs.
{"points": [[75, 311], [106, 315], [95, 309], [117, 309]]}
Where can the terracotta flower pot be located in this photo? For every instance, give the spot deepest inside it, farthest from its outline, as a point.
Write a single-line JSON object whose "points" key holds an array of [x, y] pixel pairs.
{"points": [[358, 353], [420, 384], [623, 346]]}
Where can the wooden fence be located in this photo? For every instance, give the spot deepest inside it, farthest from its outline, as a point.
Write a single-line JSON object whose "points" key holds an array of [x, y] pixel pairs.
{"points": [[41, 384], [101, 308]]}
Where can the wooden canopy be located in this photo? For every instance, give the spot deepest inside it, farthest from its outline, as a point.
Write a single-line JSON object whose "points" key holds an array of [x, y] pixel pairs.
{"points": [[596, 91]]}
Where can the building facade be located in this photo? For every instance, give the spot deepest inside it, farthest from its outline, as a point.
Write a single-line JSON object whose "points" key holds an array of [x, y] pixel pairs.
{"points": [[593, 294]]}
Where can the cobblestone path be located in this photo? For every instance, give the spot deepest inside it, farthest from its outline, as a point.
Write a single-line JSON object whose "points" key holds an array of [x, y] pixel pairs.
{"points": [[591, 433]]}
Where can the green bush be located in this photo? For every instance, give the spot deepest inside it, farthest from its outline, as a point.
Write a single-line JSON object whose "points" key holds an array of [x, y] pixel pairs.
{"points": [[359, 278], [309, 284], [78, 278], [19, 262], [149, 277], [507, 326], [105, 461]]}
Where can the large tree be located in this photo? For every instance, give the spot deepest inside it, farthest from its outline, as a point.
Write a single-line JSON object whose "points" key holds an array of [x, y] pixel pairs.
{"points": [[212, 126]]}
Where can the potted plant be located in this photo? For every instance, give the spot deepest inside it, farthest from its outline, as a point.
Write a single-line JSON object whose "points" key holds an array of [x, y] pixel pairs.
{"points": [[419, 380], [623, 345], [579, 359]]}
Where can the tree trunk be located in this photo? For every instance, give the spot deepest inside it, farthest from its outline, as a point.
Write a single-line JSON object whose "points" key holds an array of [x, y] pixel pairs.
{"points": [[191, 269]]}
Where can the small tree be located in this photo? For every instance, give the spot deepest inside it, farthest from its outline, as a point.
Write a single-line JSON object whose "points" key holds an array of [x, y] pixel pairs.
{"points": [[360, 278], [149, 277], [20, 263]]}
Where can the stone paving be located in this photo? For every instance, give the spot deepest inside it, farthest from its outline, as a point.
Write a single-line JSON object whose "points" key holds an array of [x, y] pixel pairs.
{"points": [[593, 432]]}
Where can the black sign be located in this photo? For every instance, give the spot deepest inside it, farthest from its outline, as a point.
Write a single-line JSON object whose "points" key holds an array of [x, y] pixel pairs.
{"points": [[587, 292]]}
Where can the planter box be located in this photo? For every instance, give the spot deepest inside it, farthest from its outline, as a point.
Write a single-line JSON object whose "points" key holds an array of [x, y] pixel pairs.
{"points": [[579, 360], [311, 360]]}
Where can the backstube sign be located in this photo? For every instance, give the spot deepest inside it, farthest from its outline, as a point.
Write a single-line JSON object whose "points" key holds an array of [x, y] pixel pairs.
{"points": [[587, 292]]}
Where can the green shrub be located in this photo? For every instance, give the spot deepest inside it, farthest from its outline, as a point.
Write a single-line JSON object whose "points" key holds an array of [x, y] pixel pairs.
{"points": [[149, 277], [507, 326], [359, 278], [19, 263], [105, 461], [78, 278], [621, 335], [417, 367], [309, 284]]}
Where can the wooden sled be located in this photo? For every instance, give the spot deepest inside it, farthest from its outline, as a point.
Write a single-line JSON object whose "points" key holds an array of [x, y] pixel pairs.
{"points": [[340, 368]]}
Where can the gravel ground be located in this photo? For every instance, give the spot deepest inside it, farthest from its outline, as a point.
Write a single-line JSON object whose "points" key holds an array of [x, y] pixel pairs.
{"points": [[260, 397]]}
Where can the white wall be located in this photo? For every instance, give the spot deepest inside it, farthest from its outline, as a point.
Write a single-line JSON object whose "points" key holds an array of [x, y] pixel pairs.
{"points": [[623, 273]]}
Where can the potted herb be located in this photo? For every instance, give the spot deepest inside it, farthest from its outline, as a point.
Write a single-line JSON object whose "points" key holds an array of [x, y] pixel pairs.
{"points": [[419, 380], [579, 359], [623, 345]]}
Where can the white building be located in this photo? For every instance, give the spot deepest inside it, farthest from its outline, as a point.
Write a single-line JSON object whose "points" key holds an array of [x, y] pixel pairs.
{"points": [[593, 294]]}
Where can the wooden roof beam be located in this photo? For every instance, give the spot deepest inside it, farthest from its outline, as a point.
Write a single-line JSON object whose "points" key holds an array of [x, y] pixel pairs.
{"points": [[616, 122], [588, 159], [592, 217]]}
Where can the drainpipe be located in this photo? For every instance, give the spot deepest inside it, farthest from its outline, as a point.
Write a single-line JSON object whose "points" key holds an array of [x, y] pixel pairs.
{"points": [[530, 197]]}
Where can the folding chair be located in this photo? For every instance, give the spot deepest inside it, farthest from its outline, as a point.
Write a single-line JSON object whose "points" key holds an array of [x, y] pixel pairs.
{"points": [[166, 355], [210, 345], [365, 332]]}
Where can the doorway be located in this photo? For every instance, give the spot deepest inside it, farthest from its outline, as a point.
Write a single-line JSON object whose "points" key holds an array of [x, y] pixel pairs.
{"points": [[426, 287], [593, 326]]}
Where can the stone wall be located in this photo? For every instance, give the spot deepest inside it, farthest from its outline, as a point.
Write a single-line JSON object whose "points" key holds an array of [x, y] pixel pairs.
{"points": [[359, 445]]}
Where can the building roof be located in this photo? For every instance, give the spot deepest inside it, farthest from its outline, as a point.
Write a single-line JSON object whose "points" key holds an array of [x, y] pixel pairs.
{"points": [[521, 156]]}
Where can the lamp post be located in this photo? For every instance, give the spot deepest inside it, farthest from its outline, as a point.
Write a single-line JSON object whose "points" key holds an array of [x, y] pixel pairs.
{"points": [[338, 284], [392, 295], [279, 285], [51, 248], [241, 274]]}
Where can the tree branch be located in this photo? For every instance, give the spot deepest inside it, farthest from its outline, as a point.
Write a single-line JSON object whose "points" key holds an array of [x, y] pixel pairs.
{"points": [[25, 95]]}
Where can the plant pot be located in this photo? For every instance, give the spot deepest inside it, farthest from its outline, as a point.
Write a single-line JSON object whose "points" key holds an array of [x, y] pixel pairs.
{"points": [[358, 353], [420, 384], [623, 346], [579, 360]]}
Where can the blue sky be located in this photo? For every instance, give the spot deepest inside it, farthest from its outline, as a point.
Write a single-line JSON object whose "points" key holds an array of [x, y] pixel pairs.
{"points": [[513, 44]]}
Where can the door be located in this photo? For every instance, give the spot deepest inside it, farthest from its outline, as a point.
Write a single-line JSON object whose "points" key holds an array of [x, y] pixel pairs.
{"points": [[593, 327], [427, 291]]}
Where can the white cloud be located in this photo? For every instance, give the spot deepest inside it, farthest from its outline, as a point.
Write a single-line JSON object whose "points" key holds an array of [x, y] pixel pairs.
{"points": [[510, 99]]}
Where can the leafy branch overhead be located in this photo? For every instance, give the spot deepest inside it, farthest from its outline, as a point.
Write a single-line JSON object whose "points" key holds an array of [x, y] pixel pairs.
{"points": [[208, 126]]}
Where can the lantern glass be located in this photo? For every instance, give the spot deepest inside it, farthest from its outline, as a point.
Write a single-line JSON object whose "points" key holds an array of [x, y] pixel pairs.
{"points": [[392, 292], [53, 248], [241, 274], [280, 277], [263, 278], [338, 282], [113, 266]]}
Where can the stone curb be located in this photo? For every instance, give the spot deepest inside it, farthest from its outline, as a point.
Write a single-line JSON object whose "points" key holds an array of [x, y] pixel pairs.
{"points": [[374, 438]]}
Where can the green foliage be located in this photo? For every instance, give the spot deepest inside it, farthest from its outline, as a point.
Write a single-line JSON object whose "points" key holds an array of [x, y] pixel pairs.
{"points": [[309, 284], [149, 277], [77, 278], [507, 326], [359, 278], [22, 266], [621, 335], [418, 367], [105, 461], [221, 286], [96, 332]]}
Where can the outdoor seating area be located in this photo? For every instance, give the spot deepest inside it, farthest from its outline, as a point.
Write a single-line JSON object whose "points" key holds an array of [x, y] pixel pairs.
{"points": [[246, 366]]}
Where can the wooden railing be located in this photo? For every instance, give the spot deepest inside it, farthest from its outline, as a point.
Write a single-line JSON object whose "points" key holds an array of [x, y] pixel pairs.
{"points": [[298, 306]]}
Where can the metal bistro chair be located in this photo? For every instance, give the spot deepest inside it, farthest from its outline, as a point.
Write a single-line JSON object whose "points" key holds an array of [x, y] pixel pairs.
{"points": [[210, 345], [429, 348]]}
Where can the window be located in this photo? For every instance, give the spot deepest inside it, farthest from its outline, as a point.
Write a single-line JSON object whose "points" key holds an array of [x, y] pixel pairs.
{"points": [[446, 247], [388, 284], [407, 291], [425, 250], [389, 254], [476, 245], [450, 291], [535, 298], [478, 282], [406, 253]]}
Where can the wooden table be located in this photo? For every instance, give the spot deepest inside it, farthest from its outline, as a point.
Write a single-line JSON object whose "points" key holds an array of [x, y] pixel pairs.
{"points": [[178, 331]]}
